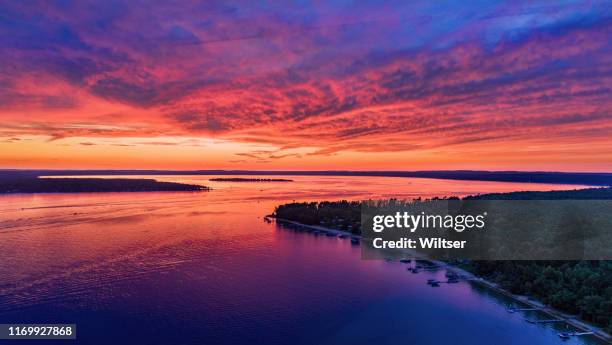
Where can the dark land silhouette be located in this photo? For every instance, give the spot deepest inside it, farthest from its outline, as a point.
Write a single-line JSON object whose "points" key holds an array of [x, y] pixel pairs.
{"points": [[33, 184], [240, 179], [577, 178]]}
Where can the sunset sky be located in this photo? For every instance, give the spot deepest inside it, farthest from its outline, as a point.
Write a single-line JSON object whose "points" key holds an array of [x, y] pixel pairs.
{"points": [[355, 85]]}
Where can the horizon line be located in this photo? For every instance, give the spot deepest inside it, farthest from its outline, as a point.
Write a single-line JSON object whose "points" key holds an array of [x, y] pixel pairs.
{"points": [[312, 171]]}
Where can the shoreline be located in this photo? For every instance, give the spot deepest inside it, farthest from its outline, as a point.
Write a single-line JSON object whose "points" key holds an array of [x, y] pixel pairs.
{"points": [[470, 277], [36, 185], [585, 179], [241, 179]]}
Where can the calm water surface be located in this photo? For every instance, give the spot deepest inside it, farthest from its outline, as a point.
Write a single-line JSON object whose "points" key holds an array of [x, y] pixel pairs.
{"points": [[204, 268]]}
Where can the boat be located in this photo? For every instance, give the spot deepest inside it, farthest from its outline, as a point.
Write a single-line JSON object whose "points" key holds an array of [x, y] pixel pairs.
{"points": [[451, 275], [452, 281], [405, 261], [435, 284], [354, 240], [565, 335]]}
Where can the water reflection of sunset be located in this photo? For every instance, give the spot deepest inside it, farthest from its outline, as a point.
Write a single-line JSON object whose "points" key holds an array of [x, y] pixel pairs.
{"points": [[207, 261]]}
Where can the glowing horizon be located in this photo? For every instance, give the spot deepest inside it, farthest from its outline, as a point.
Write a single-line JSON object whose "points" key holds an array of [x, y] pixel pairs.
{"points": [[332, 86]]}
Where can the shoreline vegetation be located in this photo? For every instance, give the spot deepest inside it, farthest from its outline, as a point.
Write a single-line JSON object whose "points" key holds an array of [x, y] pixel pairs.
{"points": [[579, 292], [241, 179], [91, 185], [572, 178]]}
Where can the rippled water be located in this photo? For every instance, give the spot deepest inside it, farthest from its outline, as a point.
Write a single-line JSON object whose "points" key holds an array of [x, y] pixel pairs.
{"points": [[204, 268]]}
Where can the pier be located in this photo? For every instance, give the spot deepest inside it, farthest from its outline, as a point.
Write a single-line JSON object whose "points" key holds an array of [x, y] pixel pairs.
{"points": [[544, 321], [514, 310], [567, 335]]}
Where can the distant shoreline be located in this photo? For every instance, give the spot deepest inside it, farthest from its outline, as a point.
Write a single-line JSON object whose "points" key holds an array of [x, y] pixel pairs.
{"points": [[239, 179], [35, 185], [569, 178]]}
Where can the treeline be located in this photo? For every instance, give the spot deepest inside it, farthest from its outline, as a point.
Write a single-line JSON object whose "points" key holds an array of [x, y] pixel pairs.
{"points": [[583, 288], [577, 194], [340, 215]]}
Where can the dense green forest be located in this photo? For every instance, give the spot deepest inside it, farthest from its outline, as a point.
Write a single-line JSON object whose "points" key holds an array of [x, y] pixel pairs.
{"points": [[340, 215], [583, 288]]}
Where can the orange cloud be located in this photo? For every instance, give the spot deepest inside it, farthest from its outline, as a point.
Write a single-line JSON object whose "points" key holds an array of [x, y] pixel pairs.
{"points": [[318, 86]]}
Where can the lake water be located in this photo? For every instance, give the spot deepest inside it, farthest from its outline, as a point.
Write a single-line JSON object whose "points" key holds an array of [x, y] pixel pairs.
{"points": [[204, 268]]}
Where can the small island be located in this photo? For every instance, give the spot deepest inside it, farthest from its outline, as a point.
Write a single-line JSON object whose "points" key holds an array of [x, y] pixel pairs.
{"points": [[242, 179], [91, 185]]}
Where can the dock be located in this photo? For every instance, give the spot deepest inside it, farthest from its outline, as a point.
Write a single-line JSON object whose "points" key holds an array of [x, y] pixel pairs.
{"points": [[544, 321], [567, 335], [514, 310]]}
